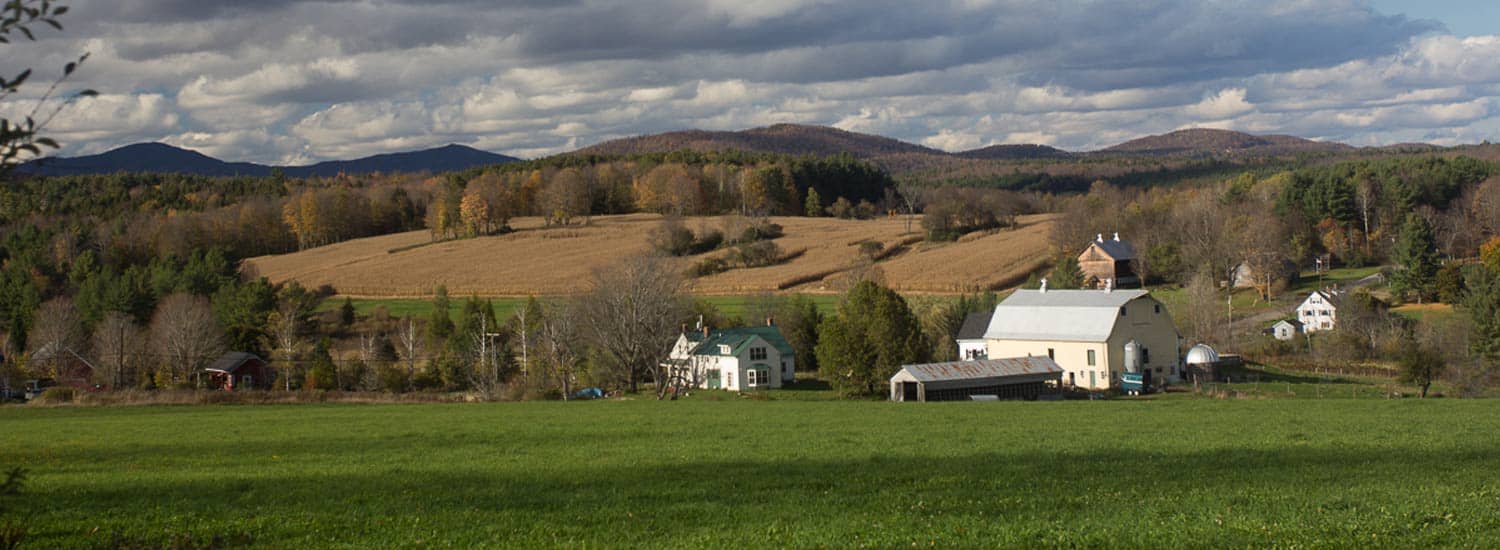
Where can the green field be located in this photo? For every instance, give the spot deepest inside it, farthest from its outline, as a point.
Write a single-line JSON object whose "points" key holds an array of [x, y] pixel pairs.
{"points": [[737, 472], [732, 306]]}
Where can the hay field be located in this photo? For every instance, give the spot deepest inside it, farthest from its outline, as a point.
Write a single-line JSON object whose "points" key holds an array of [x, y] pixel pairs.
{"points": [[535, 261]]}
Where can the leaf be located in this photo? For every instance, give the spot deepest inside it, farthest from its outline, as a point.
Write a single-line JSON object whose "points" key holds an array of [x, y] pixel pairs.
{"points": [[48, 142], [20, 78], [53, 23], [88, 93], [69, 68], [59, 11], [27, 32]]}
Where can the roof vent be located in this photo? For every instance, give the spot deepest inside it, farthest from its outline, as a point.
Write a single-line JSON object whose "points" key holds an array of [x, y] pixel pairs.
{"points": [[1099, 237], [1044, 284], [1117, 236]]}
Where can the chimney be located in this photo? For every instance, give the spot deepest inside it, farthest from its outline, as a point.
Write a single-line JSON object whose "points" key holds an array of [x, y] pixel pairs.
{"points": [[1109, 284], [1044, 284], [705, 331], [684, 328], [1117, 236], [1099, 237], [770, 321]]}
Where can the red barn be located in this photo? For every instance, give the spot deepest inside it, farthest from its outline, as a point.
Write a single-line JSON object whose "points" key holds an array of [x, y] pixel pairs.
{"points": [[239, 370]]}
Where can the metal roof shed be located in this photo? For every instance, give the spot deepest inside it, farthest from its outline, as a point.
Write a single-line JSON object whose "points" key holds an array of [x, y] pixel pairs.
{"points": [[1007, 378]]}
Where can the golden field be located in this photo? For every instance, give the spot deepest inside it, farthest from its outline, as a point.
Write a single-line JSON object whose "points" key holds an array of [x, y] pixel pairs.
{"points": [[534, 260]]}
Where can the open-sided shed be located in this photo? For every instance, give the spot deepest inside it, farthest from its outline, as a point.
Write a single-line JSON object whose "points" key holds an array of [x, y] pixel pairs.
{"points": [[1006, 378]]}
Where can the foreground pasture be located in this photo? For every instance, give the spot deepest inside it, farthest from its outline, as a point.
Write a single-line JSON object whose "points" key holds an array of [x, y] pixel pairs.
{"points": [[1402, 473]]}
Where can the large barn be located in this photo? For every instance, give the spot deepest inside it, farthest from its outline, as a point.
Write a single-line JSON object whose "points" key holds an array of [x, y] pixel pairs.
{"points": [[1092, 334], [1009, 378]]}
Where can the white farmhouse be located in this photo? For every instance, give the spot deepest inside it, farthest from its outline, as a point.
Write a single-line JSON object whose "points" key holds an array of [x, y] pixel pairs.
{"points": [[1319, 311], [736, 359], [1092, 334]]}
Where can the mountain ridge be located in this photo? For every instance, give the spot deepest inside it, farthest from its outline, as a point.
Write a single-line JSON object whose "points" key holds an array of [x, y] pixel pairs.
{"points": [[165, 158]]}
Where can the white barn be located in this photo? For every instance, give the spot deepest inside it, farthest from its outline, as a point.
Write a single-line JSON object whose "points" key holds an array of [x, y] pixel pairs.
{"points": [[1091, 334], [1319, 311]]}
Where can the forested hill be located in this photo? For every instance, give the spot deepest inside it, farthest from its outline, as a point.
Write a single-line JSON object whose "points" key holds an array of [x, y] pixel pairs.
{"points": [[166, 159], [785, 139], [1211, 142]]}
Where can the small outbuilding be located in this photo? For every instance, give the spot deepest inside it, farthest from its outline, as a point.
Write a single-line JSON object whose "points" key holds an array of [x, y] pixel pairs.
{"points": [[971, 344], [1202, 363], [1108, 263], [1285, 329], [238, 370], [1027, 378]]}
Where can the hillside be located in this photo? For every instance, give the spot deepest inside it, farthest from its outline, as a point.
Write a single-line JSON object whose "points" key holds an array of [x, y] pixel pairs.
{"points": [[559, 261], [1211, 142], [788, 139], [1009, 152], [163, 158]]}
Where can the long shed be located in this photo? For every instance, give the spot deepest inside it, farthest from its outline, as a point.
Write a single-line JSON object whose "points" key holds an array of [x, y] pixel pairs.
{"points": [[1006, 378]]}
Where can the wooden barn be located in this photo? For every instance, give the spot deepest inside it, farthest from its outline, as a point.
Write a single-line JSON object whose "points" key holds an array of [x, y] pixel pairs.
{"points": [[1108, 263], [1009, 378], [238, 370], [66, 367]]}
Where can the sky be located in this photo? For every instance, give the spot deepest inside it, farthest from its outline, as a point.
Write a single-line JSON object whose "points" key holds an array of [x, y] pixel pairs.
{"points": [[296, 82]]}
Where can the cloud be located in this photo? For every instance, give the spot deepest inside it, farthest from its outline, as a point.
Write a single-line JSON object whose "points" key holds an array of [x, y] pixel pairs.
{"points": [[315, 80]]}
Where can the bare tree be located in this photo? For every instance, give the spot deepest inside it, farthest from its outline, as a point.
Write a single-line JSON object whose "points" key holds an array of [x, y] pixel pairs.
{"points": [[914, 199], [118, 348], [409, 341], [58, 330], [488, 375], [630, 317], [1204, 310], [561, 344], [287, 326], [185, 333]]}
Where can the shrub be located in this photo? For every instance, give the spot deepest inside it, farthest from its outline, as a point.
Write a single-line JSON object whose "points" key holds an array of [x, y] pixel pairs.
{"points": [[756, 254], [870, 249], [708, 266], [57, 394], [672, 238], [761, 232], [709, 240]]}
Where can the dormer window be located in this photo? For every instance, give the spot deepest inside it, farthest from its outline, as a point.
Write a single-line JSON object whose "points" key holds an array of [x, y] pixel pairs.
{"points": [[724, 349]]}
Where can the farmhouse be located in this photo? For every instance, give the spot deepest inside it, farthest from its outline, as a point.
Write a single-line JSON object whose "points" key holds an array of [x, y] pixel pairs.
{"points": [[1010, 378], [1107, 263], [971, 336], [239, 370], [1094, 335], [736, 359], [1319, 310]]}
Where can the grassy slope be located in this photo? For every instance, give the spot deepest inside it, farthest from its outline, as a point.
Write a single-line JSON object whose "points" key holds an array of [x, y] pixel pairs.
{"points": [[693, 474]]}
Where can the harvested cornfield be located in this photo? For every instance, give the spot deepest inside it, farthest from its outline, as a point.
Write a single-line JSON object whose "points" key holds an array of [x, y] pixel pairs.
{"points": [[534, 260]]}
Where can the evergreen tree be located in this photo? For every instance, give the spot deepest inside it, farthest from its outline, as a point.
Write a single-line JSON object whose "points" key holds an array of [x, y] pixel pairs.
{"points": [[873, 334], [440, 323], [1417, 258], [798, 318], [814, 206], [1482, 302], [1066, 274], [346, 313]]}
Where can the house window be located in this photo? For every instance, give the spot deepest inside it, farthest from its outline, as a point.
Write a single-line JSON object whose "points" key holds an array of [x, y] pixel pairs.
{"points": [[757, 354], [750, 378], [1157, 307], [1146, 357], [729, 379], [1122, 311], [1091, 358], [246, 380], [1051, 354]]}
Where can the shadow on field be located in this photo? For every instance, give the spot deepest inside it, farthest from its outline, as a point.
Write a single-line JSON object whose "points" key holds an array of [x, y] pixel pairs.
{"points": [[635, 499]]}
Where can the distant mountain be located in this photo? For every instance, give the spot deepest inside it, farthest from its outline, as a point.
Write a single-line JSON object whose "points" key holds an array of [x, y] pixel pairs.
{"points": [[163, 158], [788, 139], [1009, 152], [1211, 142]]}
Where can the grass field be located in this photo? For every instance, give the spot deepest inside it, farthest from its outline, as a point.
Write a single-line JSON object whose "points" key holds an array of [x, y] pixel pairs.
{"points": [[1199, 473], [540, 261]]}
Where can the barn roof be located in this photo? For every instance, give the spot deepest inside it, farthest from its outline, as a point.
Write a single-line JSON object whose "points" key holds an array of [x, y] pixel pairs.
{"points": [[975, 326], [981, 368], [1116, 248], [1059, 315], [231, 361]]}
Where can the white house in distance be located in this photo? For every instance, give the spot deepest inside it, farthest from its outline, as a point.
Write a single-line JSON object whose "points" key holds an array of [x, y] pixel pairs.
{"points": [[1319, 311], [735, 359], [1088, 332], [971, 345]]}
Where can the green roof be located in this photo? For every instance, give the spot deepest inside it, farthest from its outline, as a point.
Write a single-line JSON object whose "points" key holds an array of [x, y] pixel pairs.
{"points": [[738, 338]]}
